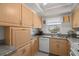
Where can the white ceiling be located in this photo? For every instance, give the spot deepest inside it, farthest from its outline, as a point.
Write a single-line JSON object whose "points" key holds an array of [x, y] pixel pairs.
{"points": [[52, 9]]}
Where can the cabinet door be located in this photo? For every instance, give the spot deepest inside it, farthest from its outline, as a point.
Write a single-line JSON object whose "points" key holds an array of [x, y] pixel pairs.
{"points": [[76, 18], [20, 36], [53, 46], [28, 51], [20, 52], [35, 45], [66, 19], [26, 17], [59, 47], [24, 51], [64, 47], [37, 21], [10, 13]]}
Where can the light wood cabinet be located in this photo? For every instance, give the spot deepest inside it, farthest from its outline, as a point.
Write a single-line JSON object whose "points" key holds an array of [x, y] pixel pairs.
{"points": [[10, 13], [35, 45], [23, 51], [66, 19], [59, 47], [37, 21], [27, 16], [20, 36], [31, 48], [75, 17], [18, 14]]}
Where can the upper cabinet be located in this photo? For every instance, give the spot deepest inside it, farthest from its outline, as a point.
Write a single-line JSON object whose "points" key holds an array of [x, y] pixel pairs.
{"points": [[66, 19], [75, 17], [37, 21], [26, 16], [10, 13], [19, 14]]}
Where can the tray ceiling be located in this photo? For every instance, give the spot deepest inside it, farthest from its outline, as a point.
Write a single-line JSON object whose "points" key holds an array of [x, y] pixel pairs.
{"points": [[52, 9]]}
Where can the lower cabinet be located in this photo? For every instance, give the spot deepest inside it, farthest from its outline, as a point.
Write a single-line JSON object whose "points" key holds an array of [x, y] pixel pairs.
{"points": [[20, 36], [59, 47], [29, 49], [35, 45], [24, 51]]}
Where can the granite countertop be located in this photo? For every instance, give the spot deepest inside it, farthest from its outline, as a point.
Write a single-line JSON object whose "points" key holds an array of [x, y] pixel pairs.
{"points": [[6, 50], [47, 35], [74, 45], [73, 40]]}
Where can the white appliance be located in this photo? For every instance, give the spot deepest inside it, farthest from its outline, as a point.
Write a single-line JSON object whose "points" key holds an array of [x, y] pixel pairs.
{"points": [[44, 44]]}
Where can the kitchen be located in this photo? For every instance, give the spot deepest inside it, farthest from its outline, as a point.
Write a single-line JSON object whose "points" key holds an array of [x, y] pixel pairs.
{"points": [[39, 29]]}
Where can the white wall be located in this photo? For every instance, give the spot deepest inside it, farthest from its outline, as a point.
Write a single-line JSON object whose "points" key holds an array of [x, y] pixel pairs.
{"points": [[64, 27], [54, 20]]}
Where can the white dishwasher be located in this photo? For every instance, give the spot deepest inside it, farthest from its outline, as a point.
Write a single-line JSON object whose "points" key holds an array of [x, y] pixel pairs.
{"points": [[44, 44]]}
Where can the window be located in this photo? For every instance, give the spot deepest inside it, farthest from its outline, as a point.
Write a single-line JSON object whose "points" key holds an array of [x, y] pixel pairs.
{"points": [[54, 21]]}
